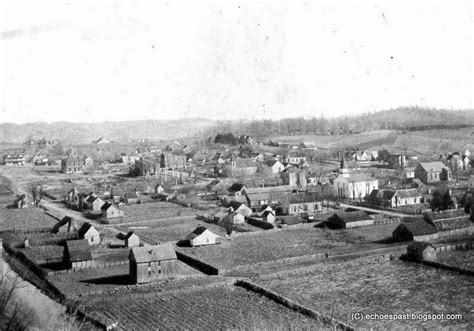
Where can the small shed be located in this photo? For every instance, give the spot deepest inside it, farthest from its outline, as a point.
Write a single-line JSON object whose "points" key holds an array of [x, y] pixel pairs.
{"points": [[78, 254], [89, 233], [418, 230], [420, 250], [347, 220], [110, 211], [152, 263], [131, 240], [202, 236], [130, 197], [269, 216]]}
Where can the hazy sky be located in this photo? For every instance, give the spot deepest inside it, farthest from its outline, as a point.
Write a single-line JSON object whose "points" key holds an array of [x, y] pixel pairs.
{"points": [[112, 61]]}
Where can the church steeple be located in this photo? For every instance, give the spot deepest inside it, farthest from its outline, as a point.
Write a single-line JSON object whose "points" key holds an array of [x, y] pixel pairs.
{"points": [[343, 168]]}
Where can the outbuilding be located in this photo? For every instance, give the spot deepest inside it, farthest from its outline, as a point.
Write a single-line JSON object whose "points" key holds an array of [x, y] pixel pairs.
{"points": [[347, 220], [418, 230], [419, 250], [152, 263], [202, 236], [89, 233], [77, 254]]}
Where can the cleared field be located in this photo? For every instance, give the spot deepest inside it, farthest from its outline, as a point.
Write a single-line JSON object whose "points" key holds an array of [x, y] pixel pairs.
{"points": [[222, 307], [274, 245], [101, 280], [172, 230], [458, 258], [369, 287], [154, 211], [24, 219]]}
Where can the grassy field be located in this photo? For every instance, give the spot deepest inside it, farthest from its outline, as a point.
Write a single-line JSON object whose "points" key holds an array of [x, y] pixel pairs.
{"points": [[458, 258], [393, 287], [427, 143], [265, 246], [222, 307], [100, 280]]}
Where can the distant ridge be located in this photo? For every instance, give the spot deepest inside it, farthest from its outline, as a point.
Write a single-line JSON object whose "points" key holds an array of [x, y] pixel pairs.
{"points": [[113, 131]]}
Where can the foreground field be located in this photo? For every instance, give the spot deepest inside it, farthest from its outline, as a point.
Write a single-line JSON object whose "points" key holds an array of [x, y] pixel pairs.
{"points": [[221, 307], [458, 258], [393, 287], [266, 246]]}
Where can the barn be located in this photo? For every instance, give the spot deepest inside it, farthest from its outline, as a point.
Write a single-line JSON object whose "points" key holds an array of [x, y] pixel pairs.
{"points": [[77, 254], [152, 263], [418, 230], [347, 220]]}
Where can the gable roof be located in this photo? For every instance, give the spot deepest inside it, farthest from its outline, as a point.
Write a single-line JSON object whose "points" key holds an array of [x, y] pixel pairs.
{"points": [[352, 216], [152, 253], [236, 187], [78, 250], [234, 204], [419, 227], [419, 246], [199, 231], [85, 228], [452, 224], [106, 206], [436, 166], [267, 212]]}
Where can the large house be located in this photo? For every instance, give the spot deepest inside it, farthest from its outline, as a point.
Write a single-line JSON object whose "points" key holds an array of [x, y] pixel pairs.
{"points": [[275, 166], [395, 198], [240, 167], [152, 263], [294, 176], [353, 185], [433, 172], [72, 165], [146, 167], [301, 203]]}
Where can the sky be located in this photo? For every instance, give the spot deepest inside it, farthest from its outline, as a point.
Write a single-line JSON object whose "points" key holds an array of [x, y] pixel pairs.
{"points": [[94, 61]]}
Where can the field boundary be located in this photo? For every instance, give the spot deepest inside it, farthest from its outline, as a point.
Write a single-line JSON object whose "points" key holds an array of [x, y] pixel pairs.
{"points": [[280, 299]]}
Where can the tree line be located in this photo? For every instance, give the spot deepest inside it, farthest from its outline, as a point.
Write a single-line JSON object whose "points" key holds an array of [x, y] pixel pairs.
{"points": [[408, 118]]}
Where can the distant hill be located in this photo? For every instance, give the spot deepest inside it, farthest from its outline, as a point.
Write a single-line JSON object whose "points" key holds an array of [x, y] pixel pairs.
{"points": [[115, 131], [403, 119]]}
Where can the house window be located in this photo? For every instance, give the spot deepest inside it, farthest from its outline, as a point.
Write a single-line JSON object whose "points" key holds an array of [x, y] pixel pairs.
{"points": [[149, 269]]}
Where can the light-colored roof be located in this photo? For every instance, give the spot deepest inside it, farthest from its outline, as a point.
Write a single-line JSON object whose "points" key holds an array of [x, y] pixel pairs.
{"points": [[436, 166]]}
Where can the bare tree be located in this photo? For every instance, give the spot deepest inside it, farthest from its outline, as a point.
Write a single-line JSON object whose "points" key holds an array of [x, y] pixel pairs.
{"points": [[13, 316]]}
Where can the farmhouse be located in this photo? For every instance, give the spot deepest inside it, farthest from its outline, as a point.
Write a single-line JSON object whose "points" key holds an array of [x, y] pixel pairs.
{"points": [[72, 165], [146, 167], [432, 172], [395, 198], [348, 220], [110, 211], [301, 203], [202, 236], [275, 166], [152, 263], [353, 185], [130, 197], [240, 167], [417, 251], [77, 254], [239, 208], [418, 230], [89, 233], [294, 177], [97, 204]]}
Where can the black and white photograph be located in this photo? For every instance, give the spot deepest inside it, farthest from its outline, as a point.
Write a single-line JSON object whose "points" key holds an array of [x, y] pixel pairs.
{"points": [[236, 165]]}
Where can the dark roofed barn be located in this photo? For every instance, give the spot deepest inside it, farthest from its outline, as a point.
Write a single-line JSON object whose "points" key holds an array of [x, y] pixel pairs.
{"points": [[347, 220], [78, 254], [419, 250], [152, 263], [418, 230]]}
